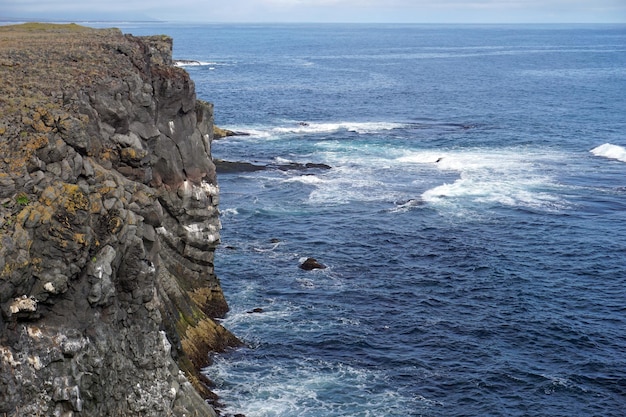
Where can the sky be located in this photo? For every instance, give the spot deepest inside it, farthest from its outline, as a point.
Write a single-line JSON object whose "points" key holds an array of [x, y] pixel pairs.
{"points": [[364, 11]]}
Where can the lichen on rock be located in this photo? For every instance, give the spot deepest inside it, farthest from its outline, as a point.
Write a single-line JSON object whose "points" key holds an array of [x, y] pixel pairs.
{"points": [[108, 226]]}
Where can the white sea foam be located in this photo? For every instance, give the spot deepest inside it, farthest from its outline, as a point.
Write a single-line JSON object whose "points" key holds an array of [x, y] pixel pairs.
{"points": [[280, 160], [422, 157], [307, 179], [509, 177], [358, 127], [407, 205], [269, 315], [354, 176], [512, 177], [610, 151], [500, 192], [229, 212], [312, 388], [306, 283], [252, 132], [342, 190], [270, 248], [343, 184], [288, 128], [192, 63], [240, 318]]}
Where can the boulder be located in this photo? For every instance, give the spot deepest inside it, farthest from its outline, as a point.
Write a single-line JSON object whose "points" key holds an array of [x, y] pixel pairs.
{"points": [[310, 264]]}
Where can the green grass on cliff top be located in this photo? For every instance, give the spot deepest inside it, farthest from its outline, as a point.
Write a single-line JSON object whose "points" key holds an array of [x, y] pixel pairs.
{"points": [[54, 27]]}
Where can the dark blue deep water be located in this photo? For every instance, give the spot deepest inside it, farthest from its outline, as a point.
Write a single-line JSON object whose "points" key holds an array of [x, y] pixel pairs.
{"points": [[473, 220]]}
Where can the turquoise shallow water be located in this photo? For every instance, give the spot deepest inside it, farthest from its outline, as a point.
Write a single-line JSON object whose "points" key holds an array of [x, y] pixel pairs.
{"points": [[473, 220]]}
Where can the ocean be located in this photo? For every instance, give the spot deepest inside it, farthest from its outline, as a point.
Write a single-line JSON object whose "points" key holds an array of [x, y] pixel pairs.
{"points": [[466, 189]]}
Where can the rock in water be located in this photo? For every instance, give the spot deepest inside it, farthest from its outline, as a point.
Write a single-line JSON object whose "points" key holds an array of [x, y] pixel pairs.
{"points": [[108, 226], [219, 133], [310, 264]]}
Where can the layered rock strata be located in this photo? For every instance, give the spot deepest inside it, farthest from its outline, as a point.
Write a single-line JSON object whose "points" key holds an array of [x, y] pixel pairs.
{"points": [[108, 225]]}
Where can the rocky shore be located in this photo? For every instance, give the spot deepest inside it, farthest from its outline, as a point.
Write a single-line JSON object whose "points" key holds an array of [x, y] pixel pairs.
{"points": [[108, 226]]}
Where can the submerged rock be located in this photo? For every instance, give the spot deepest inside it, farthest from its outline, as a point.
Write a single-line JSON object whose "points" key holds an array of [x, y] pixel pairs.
{"points": [[299, 167], [229, 167], [226, 167], [108, 227]]}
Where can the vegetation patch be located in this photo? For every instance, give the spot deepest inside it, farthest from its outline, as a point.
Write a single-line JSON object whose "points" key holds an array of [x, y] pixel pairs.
{"points": [[22, 199]]}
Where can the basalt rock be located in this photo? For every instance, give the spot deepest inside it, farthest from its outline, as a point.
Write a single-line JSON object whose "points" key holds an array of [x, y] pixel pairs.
{"points": [[310, 264], [219, 133], [108, 226], [230, 167]]}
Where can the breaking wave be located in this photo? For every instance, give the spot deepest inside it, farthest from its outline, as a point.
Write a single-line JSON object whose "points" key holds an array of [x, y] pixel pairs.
{"points": [[610, 151]]}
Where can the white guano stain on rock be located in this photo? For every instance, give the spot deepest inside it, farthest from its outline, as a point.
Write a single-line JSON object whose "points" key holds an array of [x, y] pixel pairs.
{"points": [[23, 304]]}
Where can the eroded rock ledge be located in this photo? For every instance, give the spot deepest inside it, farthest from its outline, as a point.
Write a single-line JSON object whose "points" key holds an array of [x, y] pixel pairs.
{"points": [[108, 225]]}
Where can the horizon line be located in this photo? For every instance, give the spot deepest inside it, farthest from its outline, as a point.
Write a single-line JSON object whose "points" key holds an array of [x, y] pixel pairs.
{"points": [[159, 21]]}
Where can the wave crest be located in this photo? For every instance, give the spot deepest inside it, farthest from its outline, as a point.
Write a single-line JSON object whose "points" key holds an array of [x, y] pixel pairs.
{"points": [[357, 127], [610, 151]]}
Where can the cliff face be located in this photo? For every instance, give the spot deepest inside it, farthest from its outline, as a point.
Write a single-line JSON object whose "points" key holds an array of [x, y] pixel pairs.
{"points": [[108, 224]]}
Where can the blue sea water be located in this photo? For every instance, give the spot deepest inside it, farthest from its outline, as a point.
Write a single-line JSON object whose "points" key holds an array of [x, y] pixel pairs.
{"points": [[473, 220]]}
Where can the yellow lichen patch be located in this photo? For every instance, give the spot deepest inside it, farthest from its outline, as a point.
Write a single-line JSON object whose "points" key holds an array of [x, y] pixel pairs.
{"points": [[48, 196], [133, 154], [195, 382], [65, 123], [68, 196], [199, 339], [75, 198], [211, 301], [108, 154], [95, 204], [40, 214], [42, 113], [106, 190], [80, 238], [219, 133], [23, 215], [6, 271], [18, 150], [37, 142], [10, 266], [40, 126]]}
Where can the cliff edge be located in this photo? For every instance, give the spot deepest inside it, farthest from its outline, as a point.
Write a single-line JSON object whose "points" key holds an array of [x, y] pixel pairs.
{"points": [[108, 225]]}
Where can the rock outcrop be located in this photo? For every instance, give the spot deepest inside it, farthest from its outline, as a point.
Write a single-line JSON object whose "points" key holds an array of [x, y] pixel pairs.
{"points": [[108, 225], [310, 264]]}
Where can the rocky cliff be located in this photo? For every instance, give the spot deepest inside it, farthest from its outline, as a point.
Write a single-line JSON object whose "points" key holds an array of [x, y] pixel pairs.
{"points": [[108, 225]]}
